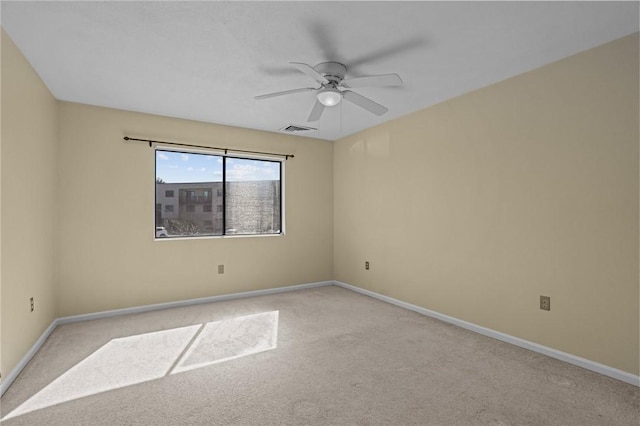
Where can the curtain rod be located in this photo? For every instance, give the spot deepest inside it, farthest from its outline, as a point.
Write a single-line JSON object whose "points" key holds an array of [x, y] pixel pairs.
{"points": [[226, 150]]}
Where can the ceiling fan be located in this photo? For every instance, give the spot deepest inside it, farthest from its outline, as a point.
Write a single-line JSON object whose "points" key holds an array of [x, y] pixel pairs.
{"points": [[334, 87]]}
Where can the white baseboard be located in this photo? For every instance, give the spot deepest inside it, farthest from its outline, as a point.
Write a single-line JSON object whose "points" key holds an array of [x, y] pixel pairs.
{"points": [[13, 374], [553, 353], [189, 302], [9, 379], [563, 356]]}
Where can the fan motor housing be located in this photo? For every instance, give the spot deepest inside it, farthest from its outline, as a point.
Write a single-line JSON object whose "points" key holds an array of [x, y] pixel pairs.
{"points": [[332, 71]]}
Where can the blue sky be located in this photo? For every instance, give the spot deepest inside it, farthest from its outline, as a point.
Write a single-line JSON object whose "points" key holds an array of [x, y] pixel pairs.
{"points": [[182, 167]]}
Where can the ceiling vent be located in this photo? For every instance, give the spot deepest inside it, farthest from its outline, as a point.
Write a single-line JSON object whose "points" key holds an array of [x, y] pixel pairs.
{"points": [[291, 128]]}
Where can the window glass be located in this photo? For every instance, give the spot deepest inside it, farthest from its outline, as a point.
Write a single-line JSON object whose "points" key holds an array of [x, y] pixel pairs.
{"points": [[192, 177], [252, 196]]}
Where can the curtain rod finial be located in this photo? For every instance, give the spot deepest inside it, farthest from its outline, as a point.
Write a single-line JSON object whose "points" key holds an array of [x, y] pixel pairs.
{"points": [[126, 138]]}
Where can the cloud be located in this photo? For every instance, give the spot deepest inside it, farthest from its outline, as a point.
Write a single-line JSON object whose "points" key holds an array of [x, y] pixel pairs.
{"points": [[247, 170], [190, 169], [243, 172], [203, 169], [162, 156], [185, 157]]}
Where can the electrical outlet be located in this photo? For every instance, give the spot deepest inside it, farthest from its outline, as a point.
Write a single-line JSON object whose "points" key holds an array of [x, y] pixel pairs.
{"points": [[221, 269], [545, 303], [366, 265], [31, 300]]}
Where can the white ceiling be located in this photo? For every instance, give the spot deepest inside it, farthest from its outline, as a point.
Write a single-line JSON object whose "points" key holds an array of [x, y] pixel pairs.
{"points": [[207, 60]]}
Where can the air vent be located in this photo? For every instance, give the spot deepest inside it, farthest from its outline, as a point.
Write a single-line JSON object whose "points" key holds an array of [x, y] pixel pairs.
{"points": [[295, 128]]}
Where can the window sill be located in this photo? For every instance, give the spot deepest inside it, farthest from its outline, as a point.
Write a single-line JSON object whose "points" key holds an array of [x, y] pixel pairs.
{"points": [[215, 237]]}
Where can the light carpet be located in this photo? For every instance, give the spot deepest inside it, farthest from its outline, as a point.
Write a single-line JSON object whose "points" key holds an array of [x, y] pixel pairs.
{"points": [[321, 356]]}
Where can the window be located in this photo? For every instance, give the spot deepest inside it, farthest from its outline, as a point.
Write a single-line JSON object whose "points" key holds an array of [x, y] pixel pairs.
{"points": [[247, 194]]}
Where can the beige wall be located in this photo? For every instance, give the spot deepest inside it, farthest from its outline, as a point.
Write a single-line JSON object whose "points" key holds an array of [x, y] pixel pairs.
{"points": [[29, 174], [107, 255], [477, 206], [472, 208]]}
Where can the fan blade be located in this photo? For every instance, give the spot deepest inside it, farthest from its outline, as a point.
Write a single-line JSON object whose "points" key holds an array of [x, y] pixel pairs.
{"points": [[325, 40], [316, 112], [308, 69], [286, 92], [389, 51], [366, 103], [373, 81]]}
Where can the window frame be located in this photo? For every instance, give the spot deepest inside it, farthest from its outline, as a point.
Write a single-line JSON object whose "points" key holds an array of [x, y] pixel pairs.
{"points": [[224, 155]]}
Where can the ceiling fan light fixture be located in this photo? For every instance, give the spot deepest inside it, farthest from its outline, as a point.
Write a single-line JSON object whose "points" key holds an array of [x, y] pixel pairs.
{"points": [[329, 96]]}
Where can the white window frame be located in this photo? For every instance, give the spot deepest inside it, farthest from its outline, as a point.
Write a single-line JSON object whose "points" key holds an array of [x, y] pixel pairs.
{"points": [[229, 154]]}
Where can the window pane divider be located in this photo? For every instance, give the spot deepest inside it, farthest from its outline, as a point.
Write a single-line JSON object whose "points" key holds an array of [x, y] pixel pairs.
{"points": [[224, 196]]}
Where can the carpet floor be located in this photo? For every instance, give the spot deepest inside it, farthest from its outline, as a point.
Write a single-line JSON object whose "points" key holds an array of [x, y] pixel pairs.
{"points": [[321, 356]]}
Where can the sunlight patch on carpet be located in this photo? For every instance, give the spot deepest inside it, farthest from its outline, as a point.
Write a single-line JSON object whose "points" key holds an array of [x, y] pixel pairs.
{"points": [[136, 359], [225, 340]]}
